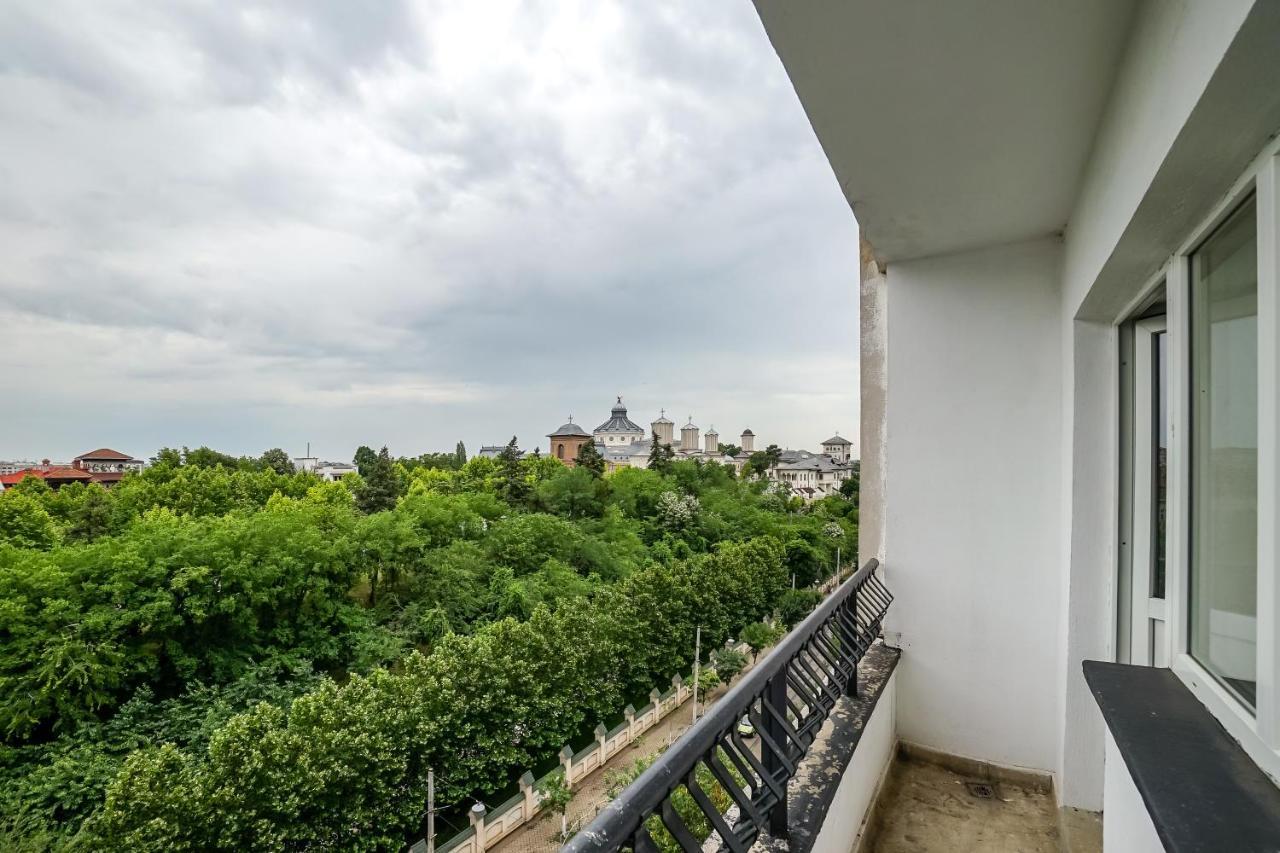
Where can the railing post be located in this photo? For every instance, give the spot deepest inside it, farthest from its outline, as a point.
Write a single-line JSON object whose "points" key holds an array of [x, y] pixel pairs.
{"points": [[630, 713], [566, 759], [775, 694], [530, 795], [852, 688], [602, 738]]}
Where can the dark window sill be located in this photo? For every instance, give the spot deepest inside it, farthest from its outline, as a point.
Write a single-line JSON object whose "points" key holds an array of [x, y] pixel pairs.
{"points": [[1201, 789]]}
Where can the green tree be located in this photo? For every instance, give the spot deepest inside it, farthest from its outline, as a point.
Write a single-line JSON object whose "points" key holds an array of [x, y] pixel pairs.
{"points": [[32, 487], [364, 460], [795, 604], [169, 457], [850, 487], [380, 488], [730, 662], [573, 493], [555, 794], [207, 457], [660, 455], [24, 522], [276, 460], [515, 488], [758, 636], [589, 459], [460, 455], [92, 517], [708, 680], [729, 449]]}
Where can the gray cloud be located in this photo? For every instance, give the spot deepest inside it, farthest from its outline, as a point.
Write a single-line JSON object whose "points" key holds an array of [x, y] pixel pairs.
{"points": [[419, 221]]}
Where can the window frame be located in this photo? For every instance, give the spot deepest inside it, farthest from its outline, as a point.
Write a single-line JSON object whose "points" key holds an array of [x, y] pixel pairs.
{"points": [[1258, 732]]}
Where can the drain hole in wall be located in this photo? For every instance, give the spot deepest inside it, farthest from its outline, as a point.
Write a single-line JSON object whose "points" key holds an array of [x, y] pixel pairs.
{"points": [[982, 790]]}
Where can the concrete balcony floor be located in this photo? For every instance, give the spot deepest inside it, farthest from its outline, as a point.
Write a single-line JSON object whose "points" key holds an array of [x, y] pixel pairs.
{"points": [[925, 807]]}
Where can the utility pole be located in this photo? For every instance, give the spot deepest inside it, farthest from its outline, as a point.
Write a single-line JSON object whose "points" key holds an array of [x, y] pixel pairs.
{"points": [[837, 568], [697, 659], [431, 810]]}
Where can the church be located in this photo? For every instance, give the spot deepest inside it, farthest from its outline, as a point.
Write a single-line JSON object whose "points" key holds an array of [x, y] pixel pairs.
{"points": [[625, 444]]}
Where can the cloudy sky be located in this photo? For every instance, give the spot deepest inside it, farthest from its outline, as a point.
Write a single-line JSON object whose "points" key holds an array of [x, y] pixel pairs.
{"points": [[255, 225]]}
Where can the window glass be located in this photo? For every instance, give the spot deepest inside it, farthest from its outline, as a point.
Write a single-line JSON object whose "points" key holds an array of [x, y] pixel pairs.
{"points": [[1224, 463]]}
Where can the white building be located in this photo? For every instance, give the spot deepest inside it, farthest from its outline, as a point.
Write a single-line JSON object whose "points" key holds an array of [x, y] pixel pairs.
{"points": [[838, 448], [334, 471], [1070, 403], [331, 471], [16, 466], [625, 444], [810, 475], [619, 430]]}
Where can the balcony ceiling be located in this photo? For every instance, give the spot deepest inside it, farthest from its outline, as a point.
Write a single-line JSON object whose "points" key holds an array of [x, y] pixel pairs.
{"points": [[952, 125]]}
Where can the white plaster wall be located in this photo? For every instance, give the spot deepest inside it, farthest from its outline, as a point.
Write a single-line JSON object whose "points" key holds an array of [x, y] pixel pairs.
{"points": [[862, 778], [1174, 48], [1090, 516], [873, 367], [1127, 827], [973, 533]]}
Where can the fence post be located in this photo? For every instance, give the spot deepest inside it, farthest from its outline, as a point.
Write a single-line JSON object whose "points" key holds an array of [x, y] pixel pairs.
{"points": [[602, 738], [530, 795], [566, 758], [677, 682], [852, 608], [476, 816], [630, 713], [775, 695]]}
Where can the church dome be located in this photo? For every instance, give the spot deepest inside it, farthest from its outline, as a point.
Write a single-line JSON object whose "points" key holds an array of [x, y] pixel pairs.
{"points": [[569, 429], [619, 422]]}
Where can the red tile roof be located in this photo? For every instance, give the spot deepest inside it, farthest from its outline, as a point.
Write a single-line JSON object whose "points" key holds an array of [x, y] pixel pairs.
{"points": [[105, 453], [53, 472]]}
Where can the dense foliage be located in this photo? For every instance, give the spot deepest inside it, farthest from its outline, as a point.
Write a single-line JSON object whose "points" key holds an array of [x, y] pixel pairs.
{"points": [[221, 652]]}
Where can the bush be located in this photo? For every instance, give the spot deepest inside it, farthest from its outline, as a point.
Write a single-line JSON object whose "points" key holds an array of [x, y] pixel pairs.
{"points": [[730, 662], [795, 604]]}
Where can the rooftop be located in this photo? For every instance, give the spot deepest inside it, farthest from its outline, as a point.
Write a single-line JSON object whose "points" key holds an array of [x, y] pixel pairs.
{"points": [[105, 453], [568, 430], [51, 472], [618, 421]]}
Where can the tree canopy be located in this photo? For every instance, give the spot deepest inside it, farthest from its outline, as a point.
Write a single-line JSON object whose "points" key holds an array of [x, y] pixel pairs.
{"points": [[215, 654]]}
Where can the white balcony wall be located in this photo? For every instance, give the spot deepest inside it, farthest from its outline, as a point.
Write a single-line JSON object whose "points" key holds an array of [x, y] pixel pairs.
{"points": [[864, 778], [974, 524], [1128, 825]]}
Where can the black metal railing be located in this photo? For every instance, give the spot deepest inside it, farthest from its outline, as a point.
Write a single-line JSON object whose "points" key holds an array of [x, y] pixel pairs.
{"points": [[786, 697]]}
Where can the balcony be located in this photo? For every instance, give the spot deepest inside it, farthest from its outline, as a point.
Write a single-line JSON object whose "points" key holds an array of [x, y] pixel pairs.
{"points": [[825, 770]]}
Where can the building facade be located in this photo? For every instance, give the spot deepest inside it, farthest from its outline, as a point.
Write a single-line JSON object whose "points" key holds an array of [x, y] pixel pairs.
{"points": [[107, 466], [55, 476], [838, 448], [1070, 318], [810, 476], [566, 441], [619, 430]]}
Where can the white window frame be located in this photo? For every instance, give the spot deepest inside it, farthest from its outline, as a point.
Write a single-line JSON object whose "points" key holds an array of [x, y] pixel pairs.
{"points": [[1144, 648], [1258, 732]]}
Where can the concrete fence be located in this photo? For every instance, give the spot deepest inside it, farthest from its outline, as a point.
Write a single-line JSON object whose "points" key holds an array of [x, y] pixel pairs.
{"points": [[489, 827]]}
